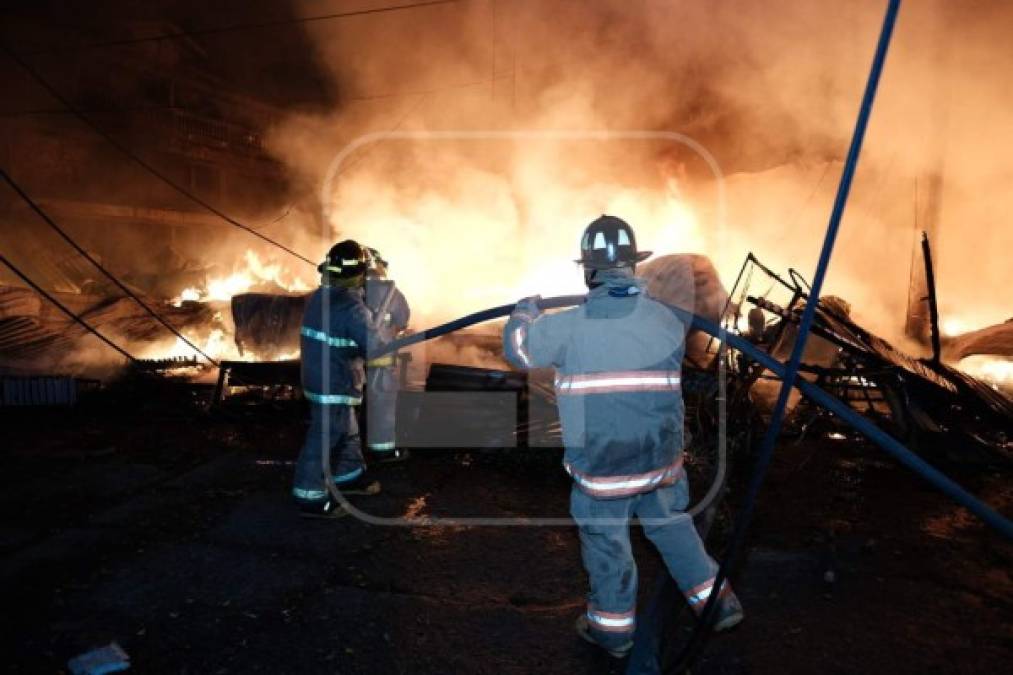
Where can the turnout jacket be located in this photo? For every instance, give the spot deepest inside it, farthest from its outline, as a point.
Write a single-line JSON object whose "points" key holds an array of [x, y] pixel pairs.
{"points": [[398, 313], [394, 319], [617, 360], [337, 331]]}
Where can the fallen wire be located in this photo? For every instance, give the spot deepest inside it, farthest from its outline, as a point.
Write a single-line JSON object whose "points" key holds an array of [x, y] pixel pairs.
{"points": [[63, 308], [77, 247], [138, 159]]}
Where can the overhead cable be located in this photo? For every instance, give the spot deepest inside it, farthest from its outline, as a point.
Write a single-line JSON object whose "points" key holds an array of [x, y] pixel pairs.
{"points": [[87, 256], [63, 308]]}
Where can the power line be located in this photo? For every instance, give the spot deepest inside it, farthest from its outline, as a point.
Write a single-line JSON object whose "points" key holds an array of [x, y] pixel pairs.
{"points": [[64, 309], [236, 27], [66, 237], [139, 160], [148, 108], [93, 111]]}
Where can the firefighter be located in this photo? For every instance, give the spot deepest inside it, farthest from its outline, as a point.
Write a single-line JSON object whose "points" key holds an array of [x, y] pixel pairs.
{"points": [[336, 333], [617, 360], [390, 313]]}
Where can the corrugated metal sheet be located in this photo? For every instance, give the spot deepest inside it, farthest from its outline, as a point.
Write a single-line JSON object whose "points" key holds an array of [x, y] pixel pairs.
{"points": [[37, 391], [25, 338]]}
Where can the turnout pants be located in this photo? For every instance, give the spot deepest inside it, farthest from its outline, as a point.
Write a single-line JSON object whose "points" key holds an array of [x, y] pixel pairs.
{"points": [[381, 408], [608, 559], [332, 429]]}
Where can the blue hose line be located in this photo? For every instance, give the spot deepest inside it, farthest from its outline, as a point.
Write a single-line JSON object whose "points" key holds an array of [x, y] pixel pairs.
{"points": [[839, 408]]}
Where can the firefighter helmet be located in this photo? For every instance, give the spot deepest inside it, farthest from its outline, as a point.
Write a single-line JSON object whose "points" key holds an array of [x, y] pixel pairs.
{"points": [[609, 242], [377, 265], [345, 260]]}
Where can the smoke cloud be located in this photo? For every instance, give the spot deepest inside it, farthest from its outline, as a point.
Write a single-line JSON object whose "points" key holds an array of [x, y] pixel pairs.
{"points": [[770, 90]]}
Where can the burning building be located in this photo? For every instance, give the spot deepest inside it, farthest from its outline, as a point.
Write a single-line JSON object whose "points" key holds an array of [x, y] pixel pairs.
{"points": [[78, 142]]}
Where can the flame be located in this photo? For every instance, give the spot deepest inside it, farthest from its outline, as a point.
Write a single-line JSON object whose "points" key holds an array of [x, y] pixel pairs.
{"points": [[191, 294], [218, 343], [252, 273], [994, 370], [954, 326], [215, 344], [483, 241], [217, 340]]}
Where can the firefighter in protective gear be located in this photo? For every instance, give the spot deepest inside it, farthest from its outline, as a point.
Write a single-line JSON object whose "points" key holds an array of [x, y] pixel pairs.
{"points": [[390, 314], [617, 360], [336, 335]]}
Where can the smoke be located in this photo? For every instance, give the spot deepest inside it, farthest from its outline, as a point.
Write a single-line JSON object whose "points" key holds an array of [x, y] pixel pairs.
{"points": [[770, 90]]}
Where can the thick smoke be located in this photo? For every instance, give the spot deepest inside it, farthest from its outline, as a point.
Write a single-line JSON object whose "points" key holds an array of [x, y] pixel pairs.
{"points": [[769, 89]]}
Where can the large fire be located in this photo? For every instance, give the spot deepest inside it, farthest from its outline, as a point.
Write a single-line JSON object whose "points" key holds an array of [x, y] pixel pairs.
{"points": [[484, 239], [488, 258], [254, 273], [217, 340]]}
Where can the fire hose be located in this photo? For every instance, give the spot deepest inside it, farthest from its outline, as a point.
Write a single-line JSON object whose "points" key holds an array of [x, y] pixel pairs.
{"points": [[892, 446], [902, 454], [787, 372]]}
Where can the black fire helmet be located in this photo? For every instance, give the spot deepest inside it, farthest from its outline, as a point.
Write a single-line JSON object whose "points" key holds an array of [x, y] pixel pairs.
{"points": [[609, 242], [345, 260]]}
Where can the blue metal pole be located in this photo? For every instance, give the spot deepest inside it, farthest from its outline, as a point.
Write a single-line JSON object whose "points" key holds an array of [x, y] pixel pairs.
{"points": [[790, 372], [938, 479], [888, 443]]}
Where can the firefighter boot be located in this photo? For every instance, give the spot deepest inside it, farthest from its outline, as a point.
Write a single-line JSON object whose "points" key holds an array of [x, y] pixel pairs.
{"points": [[729, 613], [583, 627]]}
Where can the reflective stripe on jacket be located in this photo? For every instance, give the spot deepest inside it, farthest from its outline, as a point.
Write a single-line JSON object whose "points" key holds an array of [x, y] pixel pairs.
{"points": [[618, 361], [335, 336]]}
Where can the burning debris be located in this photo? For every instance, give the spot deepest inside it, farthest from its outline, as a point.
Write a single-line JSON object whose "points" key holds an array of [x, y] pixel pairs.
{"points": [[34, 331], [267, 324], [911, 396]]}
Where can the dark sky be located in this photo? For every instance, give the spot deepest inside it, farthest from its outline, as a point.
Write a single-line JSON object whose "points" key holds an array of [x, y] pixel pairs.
{"points": [[274, 63]]}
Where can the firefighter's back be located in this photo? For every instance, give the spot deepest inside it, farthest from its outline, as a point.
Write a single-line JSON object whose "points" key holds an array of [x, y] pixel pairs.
{"points": [[618, 384], [332, 365]]}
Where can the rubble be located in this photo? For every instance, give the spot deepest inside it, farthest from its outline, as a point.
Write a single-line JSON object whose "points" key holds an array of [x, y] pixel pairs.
{"points": [[913, 396], [32, 329]]}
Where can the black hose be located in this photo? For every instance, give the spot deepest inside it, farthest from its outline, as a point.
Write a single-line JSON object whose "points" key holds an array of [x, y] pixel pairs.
{"points": [[472, 319]]}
